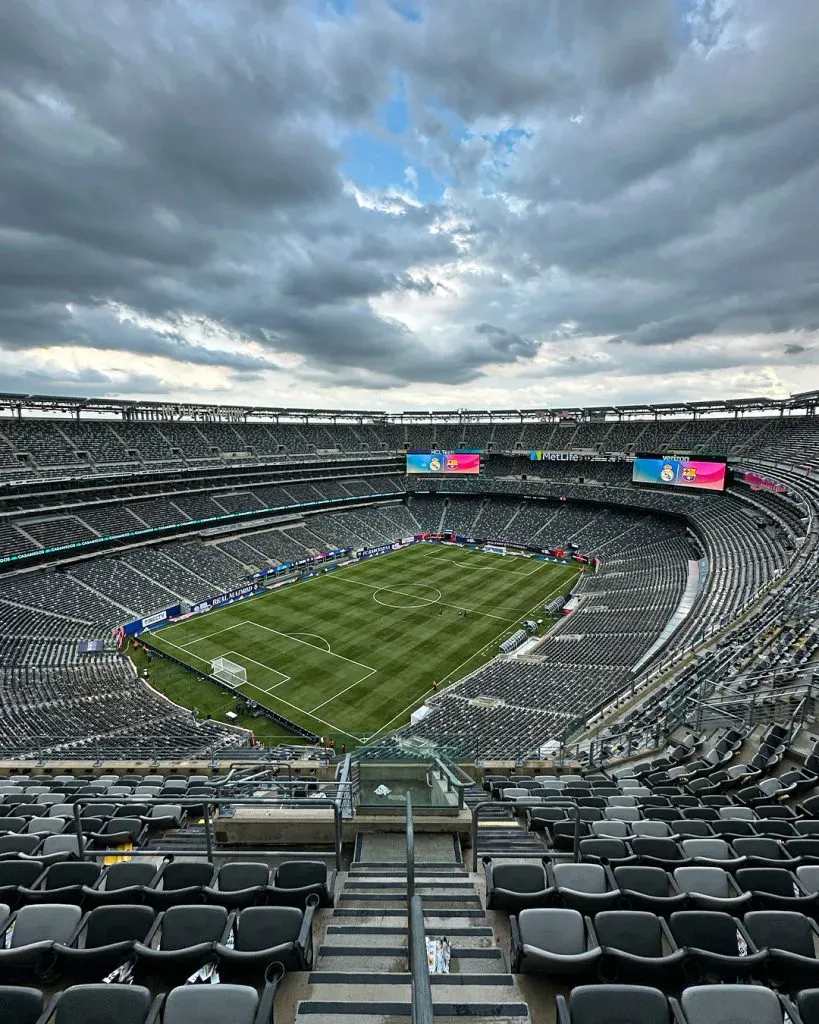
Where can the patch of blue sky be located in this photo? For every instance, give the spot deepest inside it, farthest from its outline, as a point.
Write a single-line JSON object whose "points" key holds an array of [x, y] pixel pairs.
{"points": [[395, 114], [373, 163], [408, 10]]}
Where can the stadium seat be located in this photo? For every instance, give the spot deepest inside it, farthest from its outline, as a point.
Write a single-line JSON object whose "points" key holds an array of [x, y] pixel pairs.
{"points": [[295, 880], [791, 941], [62, 882], [20, 1005], [181, 940], [601, 1004], [712, 889], [123, 882], [636, 946], [29, 935], [215, 1004], [650, 889], [103, 1004], [553, 941], [515, 887], [269, 935], [239, 884], [584, 887], [103, 940], [715, 1004], [712, 943], [179, 882]]}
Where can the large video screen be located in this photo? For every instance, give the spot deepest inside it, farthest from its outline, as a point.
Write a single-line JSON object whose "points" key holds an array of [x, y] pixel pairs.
{"points": [[693, 473], [443, 462]]}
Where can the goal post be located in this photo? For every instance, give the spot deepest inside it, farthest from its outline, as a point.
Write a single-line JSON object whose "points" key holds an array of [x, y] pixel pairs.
{"points": [[228, 671]]}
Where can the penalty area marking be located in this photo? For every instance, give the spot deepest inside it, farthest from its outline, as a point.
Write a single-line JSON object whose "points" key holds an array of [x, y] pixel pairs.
{"points": [[486, 568], [315, 636]]}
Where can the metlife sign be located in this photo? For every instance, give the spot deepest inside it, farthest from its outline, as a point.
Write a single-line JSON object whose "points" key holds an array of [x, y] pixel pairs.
{"points": [[539, 455]]}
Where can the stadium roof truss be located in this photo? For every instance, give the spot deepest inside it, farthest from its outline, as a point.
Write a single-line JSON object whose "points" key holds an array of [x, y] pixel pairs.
{"points": [[129, 410]]}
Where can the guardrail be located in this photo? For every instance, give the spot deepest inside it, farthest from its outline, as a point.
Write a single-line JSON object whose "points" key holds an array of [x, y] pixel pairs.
{"points": [[539, 854], [207, 803]]}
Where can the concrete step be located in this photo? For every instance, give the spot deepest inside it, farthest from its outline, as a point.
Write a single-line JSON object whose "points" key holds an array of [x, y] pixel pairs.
{"points": [[461, 1012], [421, 870], [397, 916], [399, 901], [399, 884], [464, 936], [440, 848], [439, 981], [393, 958]]}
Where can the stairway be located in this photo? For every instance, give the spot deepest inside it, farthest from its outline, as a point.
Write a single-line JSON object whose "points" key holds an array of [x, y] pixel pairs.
{"points": [[361, 968], [499, 832]]}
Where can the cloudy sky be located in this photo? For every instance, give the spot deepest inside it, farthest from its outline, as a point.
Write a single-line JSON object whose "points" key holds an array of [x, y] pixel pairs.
{"points": [[409, 203]]}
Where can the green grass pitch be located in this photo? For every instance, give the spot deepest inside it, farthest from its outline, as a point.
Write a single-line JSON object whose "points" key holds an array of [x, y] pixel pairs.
{"points": [[351, 653]]}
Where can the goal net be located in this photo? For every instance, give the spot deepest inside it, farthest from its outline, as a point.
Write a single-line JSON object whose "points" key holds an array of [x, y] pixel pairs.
{"points": [[228, 671]]}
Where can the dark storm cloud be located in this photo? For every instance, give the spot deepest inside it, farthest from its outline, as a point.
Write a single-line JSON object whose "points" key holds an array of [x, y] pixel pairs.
{"points": [[183, 161]]}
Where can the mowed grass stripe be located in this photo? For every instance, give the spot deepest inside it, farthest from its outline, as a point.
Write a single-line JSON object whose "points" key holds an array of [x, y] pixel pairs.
{"points": [[402, 649]]}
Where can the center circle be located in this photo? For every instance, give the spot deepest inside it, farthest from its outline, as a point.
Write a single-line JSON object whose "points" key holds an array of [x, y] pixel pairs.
{"points": [[405, 597]]}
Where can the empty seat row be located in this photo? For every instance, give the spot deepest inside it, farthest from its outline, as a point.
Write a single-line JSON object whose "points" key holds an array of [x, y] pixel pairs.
{"points": [[234, 884], [53, 940]]}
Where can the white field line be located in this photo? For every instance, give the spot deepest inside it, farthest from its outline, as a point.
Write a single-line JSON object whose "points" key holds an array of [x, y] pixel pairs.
{"points": [[332, 654], [286, 636], [494, 640], [342, 692], [403, 593], [514, 573], [333, 728]]}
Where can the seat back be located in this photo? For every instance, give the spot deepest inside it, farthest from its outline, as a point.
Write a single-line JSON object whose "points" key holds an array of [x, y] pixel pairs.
{"points": [[117, 923], [189, 925], [126, 873], [525, 878], [101, 1004], [632, 931], [40, 923], [712, 849], [237, 875], [263, 927], [555, 930], [182, 874], [211, 1004], [649, 881], [588, 878], [20, 1005], [705, 929], [781, 929], [601, 1004], [703, 881], [71, 872], [776, 881], [714, 1004], [295, 874]]}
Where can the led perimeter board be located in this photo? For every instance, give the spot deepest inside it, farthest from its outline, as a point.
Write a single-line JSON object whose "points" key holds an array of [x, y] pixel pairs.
{"points": [[694, 474], [445, 463]]}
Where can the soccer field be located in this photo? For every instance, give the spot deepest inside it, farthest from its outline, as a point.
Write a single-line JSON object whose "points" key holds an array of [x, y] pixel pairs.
{"points": [[351, 653]]}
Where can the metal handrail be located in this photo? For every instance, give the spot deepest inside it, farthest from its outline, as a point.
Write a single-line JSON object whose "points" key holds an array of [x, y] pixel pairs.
{"points": [[422, 1011], [209, 802], [410, 850], [540, 854], [421, 987]]}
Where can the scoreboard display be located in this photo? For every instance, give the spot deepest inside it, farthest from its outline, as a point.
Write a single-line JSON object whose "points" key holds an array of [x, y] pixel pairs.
{"points": [[690, 474], [444, 463]]}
